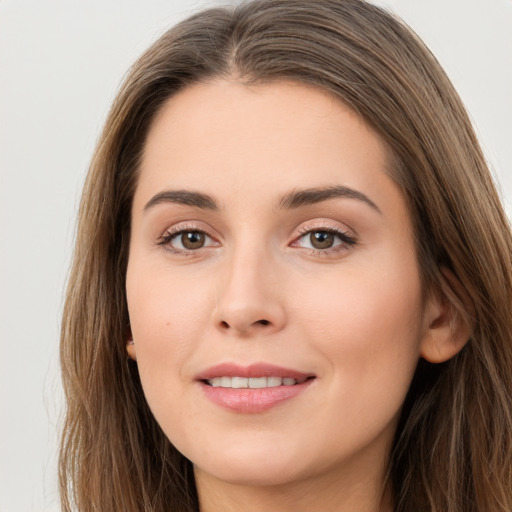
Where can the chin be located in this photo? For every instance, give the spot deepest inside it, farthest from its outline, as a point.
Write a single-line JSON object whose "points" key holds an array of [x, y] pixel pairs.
{"points": [[251, 464], [251, 473]]}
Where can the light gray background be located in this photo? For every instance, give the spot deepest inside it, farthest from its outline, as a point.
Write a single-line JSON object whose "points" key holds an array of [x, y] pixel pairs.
{"points": [[61, 62]]}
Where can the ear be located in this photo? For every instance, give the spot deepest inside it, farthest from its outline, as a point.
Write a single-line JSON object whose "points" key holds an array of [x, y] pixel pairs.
{"points": [[130, 349], [447, 330]]}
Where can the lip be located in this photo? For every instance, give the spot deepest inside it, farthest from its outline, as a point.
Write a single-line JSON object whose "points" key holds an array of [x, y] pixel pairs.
{"points": [[253, 370], [252, 401]]}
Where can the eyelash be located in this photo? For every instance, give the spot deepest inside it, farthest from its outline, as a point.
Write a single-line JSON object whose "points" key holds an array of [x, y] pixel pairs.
{"points": [[174, 232], [347, 240]]}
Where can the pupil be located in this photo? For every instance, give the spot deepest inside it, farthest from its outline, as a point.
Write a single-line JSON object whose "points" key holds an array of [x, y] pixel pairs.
{"points": [[192, 239], [321, 239]]}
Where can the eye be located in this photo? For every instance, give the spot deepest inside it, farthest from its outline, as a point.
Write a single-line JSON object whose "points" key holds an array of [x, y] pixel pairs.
{"points": [[322, 240], [186, 240], [189, 240]]}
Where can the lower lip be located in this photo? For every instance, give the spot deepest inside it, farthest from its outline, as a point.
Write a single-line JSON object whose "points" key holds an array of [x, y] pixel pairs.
{"points": [[251, 401]]}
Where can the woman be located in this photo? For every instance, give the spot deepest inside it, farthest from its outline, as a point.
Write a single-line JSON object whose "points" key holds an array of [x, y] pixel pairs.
{"points": [[290, 228]]}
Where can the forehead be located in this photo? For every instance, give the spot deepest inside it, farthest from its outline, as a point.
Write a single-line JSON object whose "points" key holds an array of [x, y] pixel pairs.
{"points": [[227, 136]]}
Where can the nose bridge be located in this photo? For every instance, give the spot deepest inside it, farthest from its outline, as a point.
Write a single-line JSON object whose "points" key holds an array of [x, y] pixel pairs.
{"points": [[249, 299]]}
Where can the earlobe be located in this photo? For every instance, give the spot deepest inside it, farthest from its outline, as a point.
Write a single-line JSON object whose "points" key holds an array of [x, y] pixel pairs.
{"points": [[447, 331], [130, 349]]}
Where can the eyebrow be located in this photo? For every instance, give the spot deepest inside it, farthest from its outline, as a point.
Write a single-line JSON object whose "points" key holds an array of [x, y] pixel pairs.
{"points": [[291, 200], [185, 197], [298, 198]]}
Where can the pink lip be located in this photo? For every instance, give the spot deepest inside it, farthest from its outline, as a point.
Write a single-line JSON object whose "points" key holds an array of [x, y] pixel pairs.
{"points": [[252, 400], [253, 370]]}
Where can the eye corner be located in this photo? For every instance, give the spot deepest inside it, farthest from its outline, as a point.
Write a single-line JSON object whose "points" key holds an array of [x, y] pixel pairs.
{"points": [[198, 239], [323, 239]]}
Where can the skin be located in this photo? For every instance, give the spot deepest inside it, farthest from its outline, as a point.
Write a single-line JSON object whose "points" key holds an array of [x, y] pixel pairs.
{"points": [[354, 315]]}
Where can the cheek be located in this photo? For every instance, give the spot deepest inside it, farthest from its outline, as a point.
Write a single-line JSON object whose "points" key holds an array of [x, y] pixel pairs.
{"points": [[366, 305], [369, 329], [166, 318]]}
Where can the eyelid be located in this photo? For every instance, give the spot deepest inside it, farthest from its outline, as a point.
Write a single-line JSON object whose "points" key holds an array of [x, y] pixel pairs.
{"points": [[326, 224], [346, 237], [170, 233]]}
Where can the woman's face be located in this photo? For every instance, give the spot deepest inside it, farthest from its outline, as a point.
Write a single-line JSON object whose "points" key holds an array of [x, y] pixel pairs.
{"points": [[273, 288]]}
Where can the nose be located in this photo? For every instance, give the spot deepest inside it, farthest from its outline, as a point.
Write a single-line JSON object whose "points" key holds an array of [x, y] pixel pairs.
{"points": [[250, 301]]}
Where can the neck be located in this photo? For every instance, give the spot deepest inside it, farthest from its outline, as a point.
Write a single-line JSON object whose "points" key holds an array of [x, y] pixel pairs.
{"points": [[325, 492]]}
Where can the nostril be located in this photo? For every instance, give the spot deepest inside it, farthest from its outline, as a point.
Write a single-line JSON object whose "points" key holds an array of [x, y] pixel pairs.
{"points": [[227, 326]]}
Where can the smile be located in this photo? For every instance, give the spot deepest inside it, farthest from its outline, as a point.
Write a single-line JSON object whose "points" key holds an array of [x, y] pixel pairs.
{"points": [[253, 382], [252, 389]]}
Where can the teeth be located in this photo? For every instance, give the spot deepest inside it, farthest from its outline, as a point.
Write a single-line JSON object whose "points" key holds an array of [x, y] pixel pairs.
{"points": [[215, 382], [258, 382], [273, 382], [239, 382], [252, 382]]}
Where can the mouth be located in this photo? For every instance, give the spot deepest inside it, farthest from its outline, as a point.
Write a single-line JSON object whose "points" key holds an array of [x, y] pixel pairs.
{"points": [[238, 382], [252, 389]]}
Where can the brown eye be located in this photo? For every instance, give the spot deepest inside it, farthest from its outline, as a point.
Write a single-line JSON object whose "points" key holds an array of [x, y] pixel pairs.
{"points": [[187, 241], [192, 239], [325, 241], [321, 239]]}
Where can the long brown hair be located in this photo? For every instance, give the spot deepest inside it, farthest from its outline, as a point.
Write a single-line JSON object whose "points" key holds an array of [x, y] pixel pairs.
{"points": [[453, 447]]}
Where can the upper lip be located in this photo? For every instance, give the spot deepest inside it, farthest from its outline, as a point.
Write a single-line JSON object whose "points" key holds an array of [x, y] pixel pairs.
{"points": [[253, 370]]}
